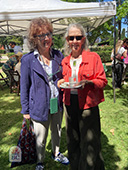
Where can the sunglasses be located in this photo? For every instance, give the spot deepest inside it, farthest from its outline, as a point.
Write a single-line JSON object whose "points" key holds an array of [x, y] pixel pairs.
{"points": [[71, 38], [43, 36]]}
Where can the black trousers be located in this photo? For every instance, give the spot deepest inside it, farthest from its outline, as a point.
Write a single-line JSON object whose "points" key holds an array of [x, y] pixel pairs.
{"points": [[83, 137], [117, 73]]}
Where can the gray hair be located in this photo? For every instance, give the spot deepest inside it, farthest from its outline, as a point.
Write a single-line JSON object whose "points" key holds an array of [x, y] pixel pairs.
{"points": [[67, 49]]}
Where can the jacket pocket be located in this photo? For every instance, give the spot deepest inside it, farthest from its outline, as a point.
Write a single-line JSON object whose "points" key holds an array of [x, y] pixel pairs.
{"points": [[87, 74], [31, 100]]}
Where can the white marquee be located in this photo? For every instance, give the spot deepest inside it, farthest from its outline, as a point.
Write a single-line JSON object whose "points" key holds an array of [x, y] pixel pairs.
{"points": [[15, 15]]}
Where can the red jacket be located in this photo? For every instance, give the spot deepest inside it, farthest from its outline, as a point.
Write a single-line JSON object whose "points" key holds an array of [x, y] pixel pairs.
{"points": [[91, 68]]}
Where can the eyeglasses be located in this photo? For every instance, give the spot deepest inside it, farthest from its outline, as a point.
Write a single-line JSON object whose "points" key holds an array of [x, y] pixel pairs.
{"points": [[43, 36], [71, 38]]}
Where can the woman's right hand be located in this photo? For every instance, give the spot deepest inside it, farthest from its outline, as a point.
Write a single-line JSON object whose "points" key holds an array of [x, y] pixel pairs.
{"points": [[26, 116], [60, 82], [85, 82]]}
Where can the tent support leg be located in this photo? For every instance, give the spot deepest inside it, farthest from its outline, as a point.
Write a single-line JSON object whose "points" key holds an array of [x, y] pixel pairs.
{"points": [[114, 92]]}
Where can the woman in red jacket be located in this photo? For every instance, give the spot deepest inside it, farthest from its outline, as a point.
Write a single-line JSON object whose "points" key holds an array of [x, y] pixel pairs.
{"points": [[81, 100]]}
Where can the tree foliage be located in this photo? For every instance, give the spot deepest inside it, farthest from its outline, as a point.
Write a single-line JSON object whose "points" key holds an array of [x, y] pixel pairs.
{"points": [[106, 30], [58, 41], [122, 10]]}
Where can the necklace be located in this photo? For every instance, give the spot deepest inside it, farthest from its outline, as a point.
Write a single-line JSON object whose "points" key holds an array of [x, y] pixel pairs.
{"points": [[45, 60]]}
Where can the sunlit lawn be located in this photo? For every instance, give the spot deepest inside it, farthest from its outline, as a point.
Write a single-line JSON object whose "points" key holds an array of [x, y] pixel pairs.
{"points": [[114, 126]]}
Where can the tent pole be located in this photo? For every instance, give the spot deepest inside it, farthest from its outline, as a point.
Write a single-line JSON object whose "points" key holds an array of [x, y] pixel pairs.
{"points": [[7, 27], [114, 92]]}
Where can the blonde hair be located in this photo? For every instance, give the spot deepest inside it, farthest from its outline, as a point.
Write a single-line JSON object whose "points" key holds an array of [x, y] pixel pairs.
{"points": [[18, 56], [67, 50], [118, 45], [37, 26]]}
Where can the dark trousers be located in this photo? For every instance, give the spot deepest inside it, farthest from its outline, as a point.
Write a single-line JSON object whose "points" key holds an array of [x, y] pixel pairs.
{"points": [[83, 137], [117, 73]]}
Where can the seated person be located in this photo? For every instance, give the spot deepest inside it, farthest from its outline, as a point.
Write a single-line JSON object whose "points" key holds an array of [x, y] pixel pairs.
{"points": [[17, 66], [10, 64]]}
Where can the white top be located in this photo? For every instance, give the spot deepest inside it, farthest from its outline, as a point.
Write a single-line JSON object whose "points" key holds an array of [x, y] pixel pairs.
{"points": [[75, 63], [121, 50], [17, 67], [17, 49]]}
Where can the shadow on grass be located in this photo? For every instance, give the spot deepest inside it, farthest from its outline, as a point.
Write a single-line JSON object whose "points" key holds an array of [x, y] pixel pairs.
{"points": [[10, 124], [108, 151], [119, 93], [10, 117], [126, 168], [109, 154]]}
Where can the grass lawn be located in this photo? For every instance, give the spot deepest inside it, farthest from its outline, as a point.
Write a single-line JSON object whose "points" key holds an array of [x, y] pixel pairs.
{"points": [[114, 127]]}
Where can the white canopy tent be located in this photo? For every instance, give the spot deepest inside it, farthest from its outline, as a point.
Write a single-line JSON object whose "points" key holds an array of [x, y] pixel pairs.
{"points": [[15, 15]]}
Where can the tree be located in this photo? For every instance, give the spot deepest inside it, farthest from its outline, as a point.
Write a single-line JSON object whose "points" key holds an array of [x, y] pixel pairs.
{"points": [[122, 12], [123, 34], [104, 30], [58, 41]]}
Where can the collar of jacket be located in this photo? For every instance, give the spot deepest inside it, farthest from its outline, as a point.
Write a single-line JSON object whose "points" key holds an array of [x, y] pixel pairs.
{"points": [[38, 68], [56, 62]]}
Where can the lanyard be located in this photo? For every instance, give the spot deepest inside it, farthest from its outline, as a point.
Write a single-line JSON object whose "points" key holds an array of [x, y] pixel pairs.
{"points": [[53, 100], [44, 66], [50, 76]]}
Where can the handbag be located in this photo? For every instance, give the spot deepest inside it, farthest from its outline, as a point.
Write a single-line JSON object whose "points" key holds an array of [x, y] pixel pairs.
{"points": [[27, 145]]}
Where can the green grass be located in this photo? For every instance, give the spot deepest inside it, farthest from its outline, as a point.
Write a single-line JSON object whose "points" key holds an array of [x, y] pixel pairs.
{"points": [[114, 117], [114, 127]]}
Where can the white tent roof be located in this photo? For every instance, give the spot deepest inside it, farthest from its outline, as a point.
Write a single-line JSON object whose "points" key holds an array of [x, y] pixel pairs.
{"points": [[15, 15]]}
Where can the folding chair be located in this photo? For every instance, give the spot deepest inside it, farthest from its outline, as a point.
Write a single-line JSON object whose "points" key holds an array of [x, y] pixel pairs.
{"points": [[15, 82], [5, 79]]}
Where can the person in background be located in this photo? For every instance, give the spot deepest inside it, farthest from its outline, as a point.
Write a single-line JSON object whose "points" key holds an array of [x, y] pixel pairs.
{"points": [[117, 71], [41, 99], [15, 47], [10, 64], [81, 103], [125, 45], [17, 66]]}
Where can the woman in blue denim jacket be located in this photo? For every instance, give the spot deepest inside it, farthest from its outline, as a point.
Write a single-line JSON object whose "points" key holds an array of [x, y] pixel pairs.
{"points": [[41, 99]]}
